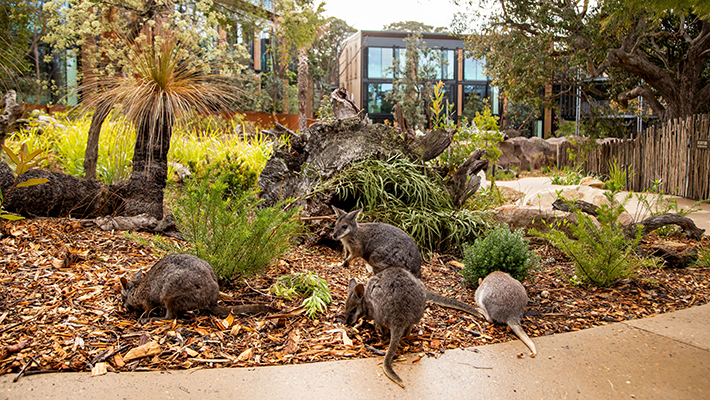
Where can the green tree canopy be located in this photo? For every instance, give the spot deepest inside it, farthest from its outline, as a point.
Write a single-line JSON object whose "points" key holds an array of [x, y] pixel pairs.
{"points": [[661, 55], [414, 26]]}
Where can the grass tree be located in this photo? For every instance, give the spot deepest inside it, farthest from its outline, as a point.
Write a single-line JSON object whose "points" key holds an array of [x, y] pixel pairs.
{"points": [[164, 80]]}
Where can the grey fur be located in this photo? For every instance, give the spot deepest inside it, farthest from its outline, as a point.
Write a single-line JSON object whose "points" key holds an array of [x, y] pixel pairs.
{"points": [[502, 299], [178, 283], [381, 245], [395, 300], [384, 246]]}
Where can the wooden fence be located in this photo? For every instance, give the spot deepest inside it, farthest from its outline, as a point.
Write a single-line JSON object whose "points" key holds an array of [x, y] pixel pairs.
{"points": [[677, 154]]}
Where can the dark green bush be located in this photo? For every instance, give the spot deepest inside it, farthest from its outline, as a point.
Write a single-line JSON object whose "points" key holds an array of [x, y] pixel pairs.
{"points": [[231, 232], [499, 250]]}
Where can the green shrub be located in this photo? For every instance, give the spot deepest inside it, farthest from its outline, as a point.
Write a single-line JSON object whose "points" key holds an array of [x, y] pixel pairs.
{"points": [[602, 255], [617, 176], [404, 194], [232, 233], [499, 250], [231, 171]]}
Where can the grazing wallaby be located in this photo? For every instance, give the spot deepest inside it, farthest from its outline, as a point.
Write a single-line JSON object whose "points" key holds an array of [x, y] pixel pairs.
{"points": [[384, 246], [502, 299], [395, 300], [178, 283]]}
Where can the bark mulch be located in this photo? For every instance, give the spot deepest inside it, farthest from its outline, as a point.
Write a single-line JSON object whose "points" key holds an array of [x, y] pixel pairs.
{"points": [[60, 307]]}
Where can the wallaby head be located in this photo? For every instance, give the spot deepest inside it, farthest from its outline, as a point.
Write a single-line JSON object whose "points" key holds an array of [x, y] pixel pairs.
{"points": [[345, 224], [128, 289], [355, 307]]}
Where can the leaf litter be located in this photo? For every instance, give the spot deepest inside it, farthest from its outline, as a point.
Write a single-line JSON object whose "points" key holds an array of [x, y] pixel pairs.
{"points": [[60, 307]]}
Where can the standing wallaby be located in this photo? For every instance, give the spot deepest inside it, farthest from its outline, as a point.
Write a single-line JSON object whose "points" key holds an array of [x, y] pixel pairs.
{"points": [[384, 246], [178, 283], [395, 300], [502, 300]]}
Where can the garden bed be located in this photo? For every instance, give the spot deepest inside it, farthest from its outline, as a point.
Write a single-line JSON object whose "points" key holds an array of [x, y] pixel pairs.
{"points": [[60, 307]]}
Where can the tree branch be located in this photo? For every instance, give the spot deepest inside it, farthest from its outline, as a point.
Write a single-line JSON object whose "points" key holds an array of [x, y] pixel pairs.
{"points": [[647, 94]]}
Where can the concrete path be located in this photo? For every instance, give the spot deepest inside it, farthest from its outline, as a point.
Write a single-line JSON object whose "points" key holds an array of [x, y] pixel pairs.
{"points": [[531, 186], [663, 357]]}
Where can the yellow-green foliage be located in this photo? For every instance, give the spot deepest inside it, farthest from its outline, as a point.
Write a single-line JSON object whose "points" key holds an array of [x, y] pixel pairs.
{"points": [[196, 145], [65, 144]]}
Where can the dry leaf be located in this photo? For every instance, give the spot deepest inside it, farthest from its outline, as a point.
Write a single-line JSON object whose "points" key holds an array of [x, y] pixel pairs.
{"points": [[118, 361], [147, 350], [99, 369], [245, 355]]}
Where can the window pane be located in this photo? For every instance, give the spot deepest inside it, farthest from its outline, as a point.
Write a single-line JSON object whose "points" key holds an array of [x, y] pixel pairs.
{"points": [[379, 62], [376, 98], [387, 55], [374, 62], [473, 96], [473, 70], [448, 64]]}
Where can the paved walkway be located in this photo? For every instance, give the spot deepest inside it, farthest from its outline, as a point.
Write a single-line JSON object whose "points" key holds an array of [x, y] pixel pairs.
{"points": [[663, 357]]}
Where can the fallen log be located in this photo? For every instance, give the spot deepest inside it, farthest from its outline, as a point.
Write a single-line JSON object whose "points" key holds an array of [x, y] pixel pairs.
{"points": [[654, 222]]}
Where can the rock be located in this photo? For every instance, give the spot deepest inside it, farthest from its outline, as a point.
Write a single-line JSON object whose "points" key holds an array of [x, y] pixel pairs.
{"points": [[511, 194], [592, 182], [517, 217], [544, 198]]}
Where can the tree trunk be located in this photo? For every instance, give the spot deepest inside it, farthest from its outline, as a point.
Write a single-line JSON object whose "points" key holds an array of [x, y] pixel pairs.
{"points": [[62, 196], [143, 193], [465, 181], [10, 114], [302, 90], [66, 195], [92, 143]]}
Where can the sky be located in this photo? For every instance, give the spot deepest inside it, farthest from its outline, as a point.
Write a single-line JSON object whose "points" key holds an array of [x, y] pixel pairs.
{"points": [[372, 15]]}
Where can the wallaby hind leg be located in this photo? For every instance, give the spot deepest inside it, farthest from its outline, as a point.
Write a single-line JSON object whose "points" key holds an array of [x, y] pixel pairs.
{"points": [[395, 337]]}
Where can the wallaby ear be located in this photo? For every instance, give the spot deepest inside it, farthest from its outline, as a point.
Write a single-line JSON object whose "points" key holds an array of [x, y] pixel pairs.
{"points": [[479, 281], [360, 290], [124, 282], [351, 285], [354, 214], [338, 212]]}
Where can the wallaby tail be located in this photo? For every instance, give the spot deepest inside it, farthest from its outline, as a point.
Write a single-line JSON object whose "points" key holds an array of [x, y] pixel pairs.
{"points": [[448, 302], [242, 309], [395, 336], [518, 330]]}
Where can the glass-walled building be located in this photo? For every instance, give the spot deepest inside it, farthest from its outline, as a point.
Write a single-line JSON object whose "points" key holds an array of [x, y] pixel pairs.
{"points": [[370, 60]]}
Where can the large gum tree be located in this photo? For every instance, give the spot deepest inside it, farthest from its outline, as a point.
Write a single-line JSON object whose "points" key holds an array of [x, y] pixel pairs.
{"points": [[651, 49]]}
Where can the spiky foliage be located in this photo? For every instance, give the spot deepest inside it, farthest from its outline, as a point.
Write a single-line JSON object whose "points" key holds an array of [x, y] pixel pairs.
{"points": [[602, 253], [235, 235], [164, 80], [405, 194]]}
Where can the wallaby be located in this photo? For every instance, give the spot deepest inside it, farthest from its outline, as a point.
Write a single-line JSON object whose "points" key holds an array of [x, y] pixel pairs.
{"points": [[502, 299], [395, 300], [178, 283], [384, 246]]}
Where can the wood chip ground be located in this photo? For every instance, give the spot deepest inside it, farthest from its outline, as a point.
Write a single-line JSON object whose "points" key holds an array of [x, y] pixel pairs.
{"points": [[60, 307]]}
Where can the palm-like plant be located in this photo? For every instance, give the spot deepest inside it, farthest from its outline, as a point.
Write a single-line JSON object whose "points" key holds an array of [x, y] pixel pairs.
{"points": [[163, 81]]}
